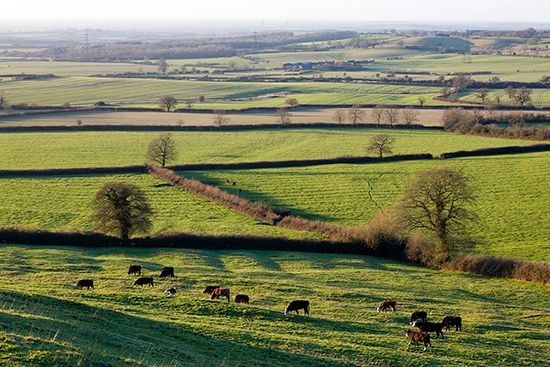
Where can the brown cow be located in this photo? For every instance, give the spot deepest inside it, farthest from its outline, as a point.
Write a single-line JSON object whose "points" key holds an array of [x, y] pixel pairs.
{"points": [[167, 271], [221, 292], [242, 298], [426, 327], [88, 283], [134, 270], [416, 337], [210, 289], [298, 305], [385, 305], [455, 321], [145, 280]]}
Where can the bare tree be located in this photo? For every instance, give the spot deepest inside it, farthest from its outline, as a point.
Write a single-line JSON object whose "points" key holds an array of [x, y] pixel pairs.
{"points": [[438, 201], [482, 94], [162, 66], [410, 116], [168, 102], [189, 104], [522, 96], [377, 114], [356, 114], [461, 82], [291, 102], [122, 209], [339, 116], [220, 118], [201, 98], [380, 144], [3, 102], [162, 150], [392, 116], [284, 116]]}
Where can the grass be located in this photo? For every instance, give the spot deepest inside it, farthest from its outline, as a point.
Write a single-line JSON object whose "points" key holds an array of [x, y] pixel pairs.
{"points": [[118, 325], [90, 149], [65, 204], [514, 219], [67, 68], [539, 97]]}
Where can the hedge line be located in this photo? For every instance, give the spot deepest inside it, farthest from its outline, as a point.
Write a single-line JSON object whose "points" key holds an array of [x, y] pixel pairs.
{"points": [[498, 151]]}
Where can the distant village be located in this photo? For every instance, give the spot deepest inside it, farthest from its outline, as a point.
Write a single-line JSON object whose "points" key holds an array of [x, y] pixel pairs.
{"points": [[351, 65]]}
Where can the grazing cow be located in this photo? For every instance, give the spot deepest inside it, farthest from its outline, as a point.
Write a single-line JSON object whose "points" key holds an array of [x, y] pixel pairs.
{"points": [[134, 270], [385, 305], [145, 280], [242, 298], [167, 271], [234, 183], [210, 289], [455, 321], [171, 291], [221, 292], [298, 305], [419, 316], [426, 327], [88, 283], [416, 337]]}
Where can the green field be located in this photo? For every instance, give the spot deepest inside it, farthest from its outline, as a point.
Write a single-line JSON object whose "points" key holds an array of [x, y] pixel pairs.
{"points": [[91, 149], [45, 321], [514, 219], [66, 68], [65, 204], [539, 97]]}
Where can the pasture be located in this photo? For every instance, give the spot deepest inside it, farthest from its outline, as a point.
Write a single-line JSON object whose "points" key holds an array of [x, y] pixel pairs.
{"points": [[93, 149], [65, 204], [505, 321], [514, 220]]}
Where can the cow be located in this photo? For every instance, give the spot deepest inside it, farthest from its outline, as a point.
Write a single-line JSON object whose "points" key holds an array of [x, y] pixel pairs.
{"points": [[145, 280], [455, 321], [385, 305], [172, 291], [416, 337], [88, 283], [242, 298], [419, 316], [298, 305], [134, 270], [167, 271], [221, 292], [210, 289], [426, 327]]}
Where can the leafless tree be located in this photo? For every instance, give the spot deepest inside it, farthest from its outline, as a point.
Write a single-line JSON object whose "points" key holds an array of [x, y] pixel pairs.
{"points": [[410, 116], [162, 150], [356, 114], [284, 116], [339, 116], [220, 118], [421, 101], [392, 116], [291, 102], [482, 94], [377, 114], [162, 66], [523, 95], [380, 144], [438, 201], [189, 104], [3, 102], [168, 102]]}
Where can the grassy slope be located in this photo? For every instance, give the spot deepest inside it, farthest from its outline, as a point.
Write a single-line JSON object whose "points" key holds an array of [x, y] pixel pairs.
{"points": [[63, 68], [65, 204], [117, 325], [512, 205], [57, 150]]}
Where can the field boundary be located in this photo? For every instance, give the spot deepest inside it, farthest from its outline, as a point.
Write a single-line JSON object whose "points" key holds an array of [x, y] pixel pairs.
{"points": [[278, 164]]}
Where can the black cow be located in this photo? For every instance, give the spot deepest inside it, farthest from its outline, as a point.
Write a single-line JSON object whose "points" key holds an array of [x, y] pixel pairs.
{"points": [[167, 271], [419, 316], [88, 283], [298, 305], [427, 327], [134, 270], [455, 321], [242, 298], [145, 280]]}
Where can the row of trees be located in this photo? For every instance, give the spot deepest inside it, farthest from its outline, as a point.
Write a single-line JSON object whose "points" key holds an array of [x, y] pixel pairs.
{"points": [[379, 114], [519, 96]]}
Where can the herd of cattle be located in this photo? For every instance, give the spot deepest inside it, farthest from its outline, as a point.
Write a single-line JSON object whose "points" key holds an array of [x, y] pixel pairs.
{"points": [[419, 319]]}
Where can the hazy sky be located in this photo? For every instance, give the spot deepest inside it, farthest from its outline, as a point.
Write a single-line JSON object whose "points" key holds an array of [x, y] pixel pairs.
{"points": [[356, 10]]}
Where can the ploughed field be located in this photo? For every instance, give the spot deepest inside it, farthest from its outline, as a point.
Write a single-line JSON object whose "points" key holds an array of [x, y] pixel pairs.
{"points": [[105, 149], [46, 321], [512, 190]]}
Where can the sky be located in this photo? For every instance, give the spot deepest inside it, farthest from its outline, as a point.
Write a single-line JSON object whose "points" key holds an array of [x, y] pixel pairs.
{"points": [[524, 11]]}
